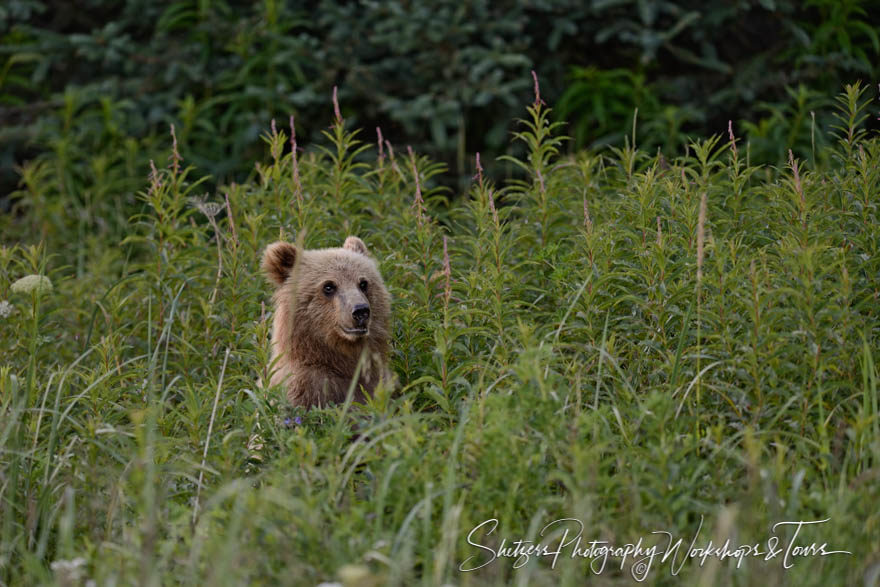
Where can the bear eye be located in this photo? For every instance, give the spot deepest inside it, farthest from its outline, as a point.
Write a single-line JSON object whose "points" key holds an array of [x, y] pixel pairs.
{"points": [[363, 285], [329, 288]]}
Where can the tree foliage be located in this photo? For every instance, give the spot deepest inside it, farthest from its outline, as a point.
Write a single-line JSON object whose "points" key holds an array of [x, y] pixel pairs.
{"points": [[443, 76]]}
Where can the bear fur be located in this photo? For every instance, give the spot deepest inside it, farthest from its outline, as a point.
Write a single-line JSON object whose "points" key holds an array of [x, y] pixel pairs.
{"points": [[331, 308]]}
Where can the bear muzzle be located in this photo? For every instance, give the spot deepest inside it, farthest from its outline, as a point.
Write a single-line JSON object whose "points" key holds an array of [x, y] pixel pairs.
{"points": [[360, 317]]}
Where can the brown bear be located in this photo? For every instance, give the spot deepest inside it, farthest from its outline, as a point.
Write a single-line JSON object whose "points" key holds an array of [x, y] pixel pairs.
{"points": [[331, 308]]}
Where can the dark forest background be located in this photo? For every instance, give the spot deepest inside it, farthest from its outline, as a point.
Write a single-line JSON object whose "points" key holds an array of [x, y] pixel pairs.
{"points": [[88, 89]]}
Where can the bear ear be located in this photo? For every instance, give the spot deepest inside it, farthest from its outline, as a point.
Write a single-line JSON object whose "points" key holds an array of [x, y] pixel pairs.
{"points": [[278, 261], [355, 245]]}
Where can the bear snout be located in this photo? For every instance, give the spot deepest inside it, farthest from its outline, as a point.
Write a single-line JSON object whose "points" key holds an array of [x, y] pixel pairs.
{"points": [[361, 315]]}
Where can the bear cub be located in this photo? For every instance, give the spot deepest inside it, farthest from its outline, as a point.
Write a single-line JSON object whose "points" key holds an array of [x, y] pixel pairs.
{"points": [[331, 307]]}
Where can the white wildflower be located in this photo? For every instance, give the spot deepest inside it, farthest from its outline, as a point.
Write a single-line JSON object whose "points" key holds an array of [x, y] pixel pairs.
{"points": [[68, 572], [6, 309], [354, 574], [209, 209], [29, 283]]}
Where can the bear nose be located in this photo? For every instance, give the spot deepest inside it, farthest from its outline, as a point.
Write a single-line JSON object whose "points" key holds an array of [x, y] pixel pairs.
{"points": [[361, 314]]}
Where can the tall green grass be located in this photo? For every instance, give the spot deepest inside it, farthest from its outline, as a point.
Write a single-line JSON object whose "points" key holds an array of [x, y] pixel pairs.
{"points": [[636, 340]]}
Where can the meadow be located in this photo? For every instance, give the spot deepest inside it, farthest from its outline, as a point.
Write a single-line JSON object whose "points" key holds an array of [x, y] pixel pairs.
{"points": [[642, 341]]}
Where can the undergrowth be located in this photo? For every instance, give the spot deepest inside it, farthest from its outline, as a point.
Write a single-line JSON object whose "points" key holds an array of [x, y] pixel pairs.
{"points": [[637, 341]]}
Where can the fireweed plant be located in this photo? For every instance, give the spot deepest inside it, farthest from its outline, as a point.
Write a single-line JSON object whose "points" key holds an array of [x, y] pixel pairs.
{"points": [[637, 340]]}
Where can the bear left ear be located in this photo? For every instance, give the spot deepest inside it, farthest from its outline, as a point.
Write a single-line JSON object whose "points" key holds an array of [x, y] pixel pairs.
{"points": [[278, 261], [355, 245]]}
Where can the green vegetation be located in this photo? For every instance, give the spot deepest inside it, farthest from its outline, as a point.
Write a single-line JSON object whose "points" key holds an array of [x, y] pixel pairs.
{"points": [[631, 339]]}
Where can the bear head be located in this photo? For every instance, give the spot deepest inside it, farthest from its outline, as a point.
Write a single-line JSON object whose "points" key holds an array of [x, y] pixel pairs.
{"points": [[328, 301]]}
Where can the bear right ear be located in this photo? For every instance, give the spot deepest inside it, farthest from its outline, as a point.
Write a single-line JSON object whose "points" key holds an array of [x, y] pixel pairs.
{"points": [[278, 261], [355, 245]]}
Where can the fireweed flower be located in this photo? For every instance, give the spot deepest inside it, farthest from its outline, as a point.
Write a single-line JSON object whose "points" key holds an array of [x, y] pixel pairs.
{"points": [[28, 283]]}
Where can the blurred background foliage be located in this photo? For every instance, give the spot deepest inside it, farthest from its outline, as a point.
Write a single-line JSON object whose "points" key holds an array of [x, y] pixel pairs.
{"points": [[88, 89]]}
